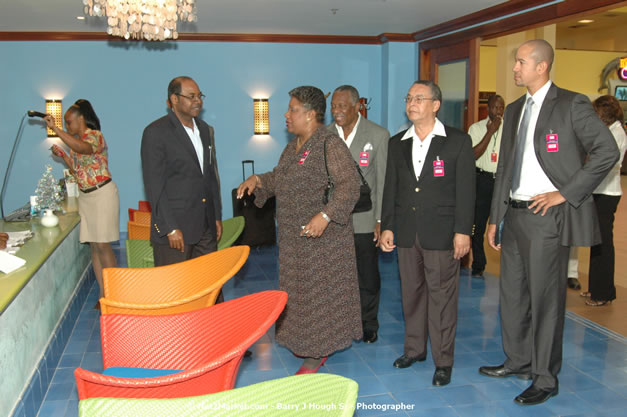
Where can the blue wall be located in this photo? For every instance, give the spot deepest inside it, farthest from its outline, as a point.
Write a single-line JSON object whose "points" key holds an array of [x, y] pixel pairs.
{"points": [[126, 83]]}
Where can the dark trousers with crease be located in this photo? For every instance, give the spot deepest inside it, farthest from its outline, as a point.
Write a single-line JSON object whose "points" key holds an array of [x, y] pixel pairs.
{"points": [[484, 187], [165, 255], [534, 269], [601, 272], [429, 292], [367, 257]]}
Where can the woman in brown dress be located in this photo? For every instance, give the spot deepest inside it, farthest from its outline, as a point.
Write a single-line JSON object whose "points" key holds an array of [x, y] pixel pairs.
{"points": [[316, 247]]}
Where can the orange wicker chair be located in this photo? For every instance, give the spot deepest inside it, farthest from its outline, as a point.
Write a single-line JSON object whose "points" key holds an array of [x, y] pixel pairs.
{"points": [[142, 217], [138, 231], [175, 288], [207, 345]]}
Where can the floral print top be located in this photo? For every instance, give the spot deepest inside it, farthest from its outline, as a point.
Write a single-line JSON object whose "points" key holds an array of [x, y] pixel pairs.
{"points": [[91, 170]]}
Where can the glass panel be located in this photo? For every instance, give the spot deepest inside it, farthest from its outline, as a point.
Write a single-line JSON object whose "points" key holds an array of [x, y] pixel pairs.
{"points": [[453, 81]]}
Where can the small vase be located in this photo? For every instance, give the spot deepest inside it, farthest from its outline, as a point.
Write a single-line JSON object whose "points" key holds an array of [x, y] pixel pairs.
{"points": [[49, 219]]}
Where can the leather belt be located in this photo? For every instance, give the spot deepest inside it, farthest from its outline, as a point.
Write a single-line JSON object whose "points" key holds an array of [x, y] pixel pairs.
{"points": [[520, 203], [97, 186], [481, 171]]}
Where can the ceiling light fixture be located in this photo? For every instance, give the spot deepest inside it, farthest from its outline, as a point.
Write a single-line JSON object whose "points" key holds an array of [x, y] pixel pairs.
{"points": [[153, 20], [585, 21]]}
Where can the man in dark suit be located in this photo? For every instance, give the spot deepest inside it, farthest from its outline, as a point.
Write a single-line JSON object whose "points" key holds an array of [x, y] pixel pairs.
{"points": [[181, 178], [542, 194], [368, 144], [428, 202]]}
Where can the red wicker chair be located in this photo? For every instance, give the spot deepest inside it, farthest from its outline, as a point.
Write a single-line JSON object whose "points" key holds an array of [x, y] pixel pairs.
{"points": [[207, 344]]}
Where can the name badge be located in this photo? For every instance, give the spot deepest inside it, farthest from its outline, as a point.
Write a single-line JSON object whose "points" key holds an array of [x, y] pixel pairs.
{"points": [[304, 157], [438, 168], [364, 158], [493, 157], [552, 143]]}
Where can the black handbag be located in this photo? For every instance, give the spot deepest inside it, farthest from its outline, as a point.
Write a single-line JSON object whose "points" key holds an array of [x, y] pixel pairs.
{"points": [[363, 204]]}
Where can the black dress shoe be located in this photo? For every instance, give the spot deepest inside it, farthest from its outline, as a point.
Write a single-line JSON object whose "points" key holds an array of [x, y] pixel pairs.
{"points": [[502, 372], [406, 361], [477, 273], [370, 336], [534, 395], [442, 376], [573, 284]]}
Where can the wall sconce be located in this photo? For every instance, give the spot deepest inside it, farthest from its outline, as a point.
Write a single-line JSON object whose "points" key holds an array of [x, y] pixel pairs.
{"points": [[262, 123], [54, 108]]}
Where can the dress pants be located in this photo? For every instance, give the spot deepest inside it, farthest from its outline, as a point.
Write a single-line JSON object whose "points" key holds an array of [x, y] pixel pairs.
{"points": [[533, 293], [601, 272], [485, 186], [165, 255], [429, 292], [367, 257]]}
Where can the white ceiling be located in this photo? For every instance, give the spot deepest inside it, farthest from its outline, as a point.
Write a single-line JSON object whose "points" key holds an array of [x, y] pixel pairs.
{"points": [[312, 17]]}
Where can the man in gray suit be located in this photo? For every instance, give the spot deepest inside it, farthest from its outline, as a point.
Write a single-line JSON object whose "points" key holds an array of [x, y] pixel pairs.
{"points": [[368, 144], [542, 197]]}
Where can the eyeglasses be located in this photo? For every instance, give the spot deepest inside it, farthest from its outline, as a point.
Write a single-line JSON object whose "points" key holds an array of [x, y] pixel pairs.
{"points": [[193, 97], [417, 99]]}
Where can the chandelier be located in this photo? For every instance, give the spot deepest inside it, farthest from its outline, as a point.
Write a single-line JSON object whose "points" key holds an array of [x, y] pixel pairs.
{"points": [[153, 20]]}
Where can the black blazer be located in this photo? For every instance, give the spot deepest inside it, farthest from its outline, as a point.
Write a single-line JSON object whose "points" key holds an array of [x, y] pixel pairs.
{"points": [[581, 133], [182, 196], [435, 208]]}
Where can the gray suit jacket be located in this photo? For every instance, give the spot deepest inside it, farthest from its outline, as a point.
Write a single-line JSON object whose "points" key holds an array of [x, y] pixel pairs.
{"points": [[182, 196], [373, 139], [580, 133]]}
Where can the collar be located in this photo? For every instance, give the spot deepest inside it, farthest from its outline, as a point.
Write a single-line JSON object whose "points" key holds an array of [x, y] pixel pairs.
{"points": [[538, 97], [194, 129], [340, 131], [438, 130]]}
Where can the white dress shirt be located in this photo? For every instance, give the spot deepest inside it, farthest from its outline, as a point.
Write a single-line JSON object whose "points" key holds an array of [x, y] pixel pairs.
{"points": [[194, 136], [533, 180], [477, 131], [351, 135], [611, 184], [421, 147]]}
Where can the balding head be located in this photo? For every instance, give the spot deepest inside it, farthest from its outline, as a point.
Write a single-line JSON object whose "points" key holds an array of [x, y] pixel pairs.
{"points": [[541, 51]]}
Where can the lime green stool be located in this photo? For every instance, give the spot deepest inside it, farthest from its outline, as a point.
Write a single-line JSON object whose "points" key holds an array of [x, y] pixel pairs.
{"points": [[312, 395]]}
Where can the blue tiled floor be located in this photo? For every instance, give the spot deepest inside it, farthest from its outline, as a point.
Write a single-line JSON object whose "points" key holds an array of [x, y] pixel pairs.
{"points": [[593, 380]]}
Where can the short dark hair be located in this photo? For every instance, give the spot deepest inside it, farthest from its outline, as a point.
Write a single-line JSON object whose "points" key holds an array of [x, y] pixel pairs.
{"points": [[436, 93], [494, 97], [85, 109], [312, 98], [352, 91], [175, 85], [609, 110], [542, 51]]}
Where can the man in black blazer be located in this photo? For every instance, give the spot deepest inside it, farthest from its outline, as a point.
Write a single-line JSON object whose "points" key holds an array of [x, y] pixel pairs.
{"points": [[554, 152], [428, 203], [181, 178]]}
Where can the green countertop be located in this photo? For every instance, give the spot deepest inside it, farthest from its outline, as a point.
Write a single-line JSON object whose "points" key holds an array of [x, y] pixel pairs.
{"points": [[36, 250]]}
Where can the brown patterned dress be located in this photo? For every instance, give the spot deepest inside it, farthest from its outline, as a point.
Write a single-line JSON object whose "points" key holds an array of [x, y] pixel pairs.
{"points": [[323, 313]]}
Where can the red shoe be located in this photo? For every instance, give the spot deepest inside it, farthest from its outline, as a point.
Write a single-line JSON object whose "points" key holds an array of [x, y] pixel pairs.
{"points": [[302, 370]]}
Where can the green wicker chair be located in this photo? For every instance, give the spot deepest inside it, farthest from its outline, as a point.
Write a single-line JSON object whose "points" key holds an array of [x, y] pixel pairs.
{"points": [[231, 229], [139, 254], [312, 395]]}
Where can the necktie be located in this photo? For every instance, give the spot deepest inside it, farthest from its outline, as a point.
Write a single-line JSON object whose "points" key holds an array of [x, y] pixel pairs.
{"points": [[521, 139]]}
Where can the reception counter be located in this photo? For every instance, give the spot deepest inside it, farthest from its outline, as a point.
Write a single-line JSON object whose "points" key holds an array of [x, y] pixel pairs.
{"points": [[37, 307]]}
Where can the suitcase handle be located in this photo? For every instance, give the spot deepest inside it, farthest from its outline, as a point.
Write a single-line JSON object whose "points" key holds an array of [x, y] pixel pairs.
{"points": [[252, 164]]}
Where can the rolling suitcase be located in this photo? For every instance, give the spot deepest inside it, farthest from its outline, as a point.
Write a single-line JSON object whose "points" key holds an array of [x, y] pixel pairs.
{"points": [[260, 228]]}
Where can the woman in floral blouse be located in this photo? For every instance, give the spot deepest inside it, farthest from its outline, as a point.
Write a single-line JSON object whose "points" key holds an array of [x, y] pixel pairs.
{"points": [[98, 200]]}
